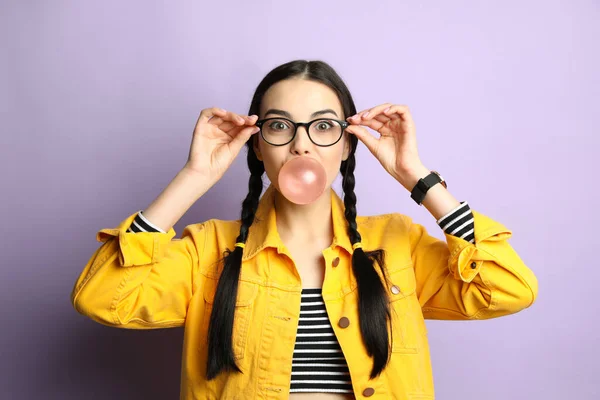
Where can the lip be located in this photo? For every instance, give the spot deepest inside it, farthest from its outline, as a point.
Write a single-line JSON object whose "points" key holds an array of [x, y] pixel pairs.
{"points": [[293, 158]]}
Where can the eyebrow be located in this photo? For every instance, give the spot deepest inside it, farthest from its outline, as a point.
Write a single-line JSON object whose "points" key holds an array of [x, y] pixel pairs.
{"points": [[288, 115]]}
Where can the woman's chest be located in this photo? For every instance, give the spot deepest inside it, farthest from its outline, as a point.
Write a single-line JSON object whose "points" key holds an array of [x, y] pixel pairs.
{"points": [[310, 265]]}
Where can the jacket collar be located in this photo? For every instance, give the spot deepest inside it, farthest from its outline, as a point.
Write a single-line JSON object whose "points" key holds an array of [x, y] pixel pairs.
{"points": [[263, 232]]}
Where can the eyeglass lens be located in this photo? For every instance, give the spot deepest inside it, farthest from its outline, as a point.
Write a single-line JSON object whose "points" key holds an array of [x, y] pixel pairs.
{"points": [[322, 132]]}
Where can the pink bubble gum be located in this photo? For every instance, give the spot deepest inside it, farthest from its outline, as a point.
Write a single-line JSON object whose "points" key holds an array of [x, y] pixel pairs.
{"points": [[302, 180]]}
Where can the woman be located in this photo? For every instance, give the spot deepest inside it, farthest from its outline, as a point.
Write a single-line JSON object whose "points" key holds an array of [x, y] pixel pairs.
{"points": [[303, 300]]}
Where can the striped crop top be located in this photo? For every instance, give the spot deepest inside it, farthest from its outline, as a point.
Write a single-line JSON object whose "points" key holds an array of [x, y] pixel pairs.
{"points": [[318, 364]]}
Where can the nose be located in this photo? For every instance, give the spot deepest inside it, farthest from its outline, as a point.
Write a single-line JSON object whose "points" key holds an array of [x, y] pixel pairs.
{"points": [[301, 143]]}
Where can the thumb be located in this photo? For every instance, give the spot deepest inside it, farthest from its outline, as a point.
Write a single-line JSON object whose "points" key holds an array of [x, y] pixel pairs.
{"points": [[364, 136], [241, 138]]}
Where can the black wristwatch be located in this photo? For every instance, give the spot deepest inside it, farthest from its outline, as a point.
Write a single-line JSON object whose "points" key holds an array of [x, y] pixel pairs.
{"points": [[420, 190]]}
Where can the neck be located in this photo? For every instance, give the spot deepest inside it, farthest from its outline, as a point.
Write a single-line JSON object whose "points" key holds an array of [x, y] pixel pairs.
{"points": [[308, 223]]}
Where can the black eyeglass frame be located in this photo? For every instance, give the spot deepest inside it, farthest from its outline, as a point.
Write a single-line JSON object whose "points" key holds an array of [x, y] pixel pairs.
{"points": [[306, 126]]}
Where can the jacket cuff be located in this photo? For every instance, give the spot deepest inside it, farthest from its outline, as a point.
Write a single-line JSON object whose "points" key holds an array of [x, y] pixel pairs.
{"points": [[466, 258], [137, 248]]}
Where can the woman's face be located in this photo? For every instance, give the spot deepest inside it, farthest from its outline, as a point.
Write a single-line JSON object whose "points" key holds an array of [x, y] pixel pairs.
{"points": [[301, 99]]}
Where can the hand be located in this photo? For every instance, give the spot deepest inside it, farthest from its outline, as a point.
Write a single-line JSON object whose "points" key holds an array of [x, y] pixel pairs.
{"points": [[396, 148], [218, 138]]}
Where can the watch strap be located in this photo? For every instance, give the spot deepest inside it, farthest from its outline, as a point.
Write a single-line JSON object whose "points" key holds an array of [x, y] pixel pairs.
{"points": [[424, 184]]}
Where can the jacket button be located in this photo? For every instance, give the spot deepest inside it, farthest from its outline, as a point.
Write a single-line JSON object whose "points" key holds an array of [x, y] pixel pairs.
{"points": [[344, 322], [368, 392], [395, 289], [336, 261], [473, 265]]}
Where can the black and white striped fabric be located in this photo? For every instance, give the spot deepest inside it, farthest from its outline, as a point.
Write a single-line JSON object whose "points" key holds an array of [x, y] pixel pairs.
{"points": [[318, 364], [141, 224], [459, 222]]}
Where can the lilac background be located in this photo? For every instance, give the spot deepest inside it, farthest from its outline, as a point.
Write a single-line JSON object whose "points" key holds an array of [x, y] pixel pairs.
{"points": [[98, 101]]}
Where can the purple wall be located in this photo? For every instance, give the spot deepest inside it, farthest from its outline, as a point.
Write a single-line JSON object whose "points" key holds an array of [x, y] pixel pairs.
{"points": [[505, 98]]}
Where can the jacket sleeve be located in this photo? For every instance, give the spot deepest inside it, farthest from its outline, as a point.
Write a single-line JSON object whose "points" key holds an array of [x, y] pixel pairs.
{"points": [[140, 279], [476, 276]]}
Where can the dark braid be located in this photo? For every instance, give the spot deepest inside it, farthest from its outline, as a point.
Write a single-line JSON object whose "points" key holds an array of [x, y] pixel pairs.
{"points": [[348, 183], [220, 330], [373, 308], [250, 204]]}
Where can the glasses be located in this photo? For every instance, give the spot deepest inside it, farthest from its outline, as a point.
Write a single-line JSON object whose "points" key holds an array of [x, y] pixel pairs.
{"points": [[281, 131]]}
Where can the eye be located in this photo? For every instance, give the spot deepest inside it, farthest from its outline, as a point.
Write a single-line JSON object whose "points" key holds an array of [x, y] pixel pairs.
{"points": [[278, 125], [324, 125]]}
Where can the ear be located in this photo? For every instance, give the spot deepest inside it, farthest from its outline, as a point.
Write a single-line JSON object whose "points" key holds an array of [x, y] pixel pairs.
{"points": [[255, 140], [346, 152]]}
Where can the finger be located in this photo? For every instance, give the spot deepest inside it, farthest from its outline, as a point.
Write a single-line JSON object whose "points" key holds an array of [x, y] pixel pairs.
{"points": [[383, 118], [231, 129], [356, 117], [369, 112], [359, 113], [371, 123], [216, 120], [222, 123], [242, 137], [235, 118], [225, 115], [399, 111], [364, 136], [251, 120], [227, 126], [208, 113], [388, 112], [248, 120], [375, 111]]}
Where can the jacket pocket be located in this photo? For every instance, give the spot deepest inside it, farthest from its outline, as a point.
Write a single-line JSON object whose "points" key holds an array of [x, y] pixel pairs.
{"points": [[246, 295], [408, 325]]}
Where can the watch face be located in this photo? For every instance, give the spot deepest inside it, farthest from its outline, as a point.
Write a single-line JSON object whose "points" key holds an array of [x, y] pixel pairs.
{"points": [[443, 181]]}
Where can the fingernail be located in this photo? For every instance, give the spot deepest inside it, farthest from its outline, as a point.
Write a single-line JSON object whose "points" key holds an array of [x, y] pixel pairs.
{"points": [[365, 114]]}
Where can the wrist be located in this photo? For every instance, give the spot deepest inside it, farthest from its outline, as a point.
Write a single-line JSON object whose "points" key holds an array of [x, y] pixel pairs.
{"points": [[197, 182], [411, 177]]}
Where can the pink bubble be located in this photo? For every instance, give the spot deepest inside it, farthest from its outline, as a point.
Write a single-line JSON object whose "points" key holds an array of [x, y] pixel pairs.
{"points": [[302, 180]]}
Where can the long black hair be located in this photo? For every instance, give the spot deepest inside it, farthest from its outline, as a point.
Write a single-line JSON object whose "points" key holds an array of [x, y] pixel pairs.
{"points": [[373, 306]]}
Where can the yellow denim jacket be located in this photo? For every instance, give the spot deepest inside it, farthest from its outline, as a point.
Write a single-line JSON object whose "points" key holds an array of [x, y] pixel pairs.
{"points": [[151, 280]]}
